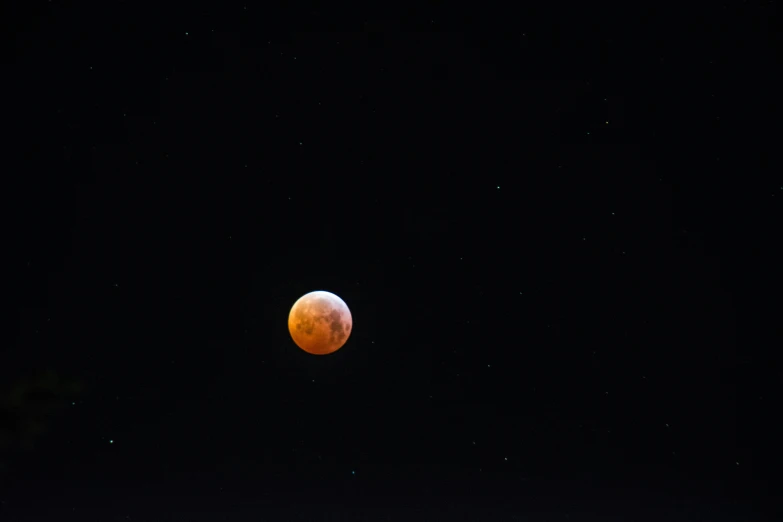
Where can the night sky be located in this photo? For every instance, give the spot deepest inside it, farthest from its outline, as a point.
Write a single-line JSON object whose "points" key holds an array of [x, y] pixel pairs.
{"points": [[557, 231]]}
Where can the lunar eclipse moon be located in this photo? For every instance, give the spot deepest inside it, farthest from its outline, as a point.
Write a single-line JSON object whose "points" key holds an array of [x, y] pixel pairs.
{"points": [[320, 322]]}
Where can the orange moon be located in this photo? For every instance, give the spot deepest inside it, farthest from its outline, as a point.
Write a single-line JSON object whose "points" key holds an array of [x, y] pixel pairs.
{"points": [[320, 322]]}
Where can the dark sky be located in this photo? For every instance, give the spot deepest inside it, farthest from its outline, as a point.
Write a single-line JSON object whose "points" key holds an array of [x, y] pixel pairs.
{"points": [[557, 231]]}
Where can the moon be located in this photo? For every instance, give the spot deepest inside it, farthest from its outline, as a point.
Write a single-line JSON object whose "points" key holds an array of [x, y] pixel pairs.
{"points": [[320, 322]]}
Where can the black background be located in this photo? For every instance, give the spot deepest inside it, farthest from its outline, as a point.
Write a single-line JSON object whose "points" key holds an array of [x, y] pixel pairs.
{"points": [[556, 230]]}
